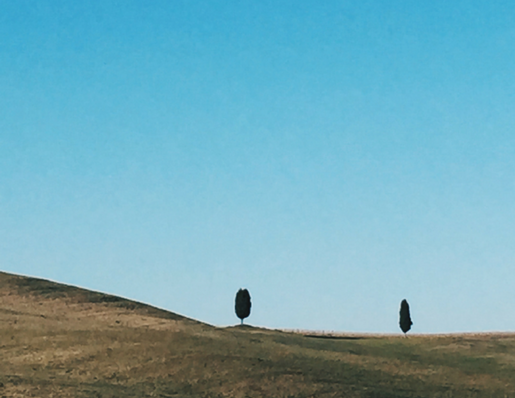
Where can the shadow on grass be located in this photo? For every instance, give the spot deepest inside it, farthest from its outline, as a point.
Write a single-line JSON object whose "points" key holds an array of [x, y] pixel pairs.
{"points": [[329, 337]]}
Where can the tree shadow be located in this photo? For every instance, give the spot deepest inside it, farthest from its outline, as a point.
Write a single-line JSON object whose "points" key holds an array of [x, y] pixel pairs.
{"points": [[331, 337]]}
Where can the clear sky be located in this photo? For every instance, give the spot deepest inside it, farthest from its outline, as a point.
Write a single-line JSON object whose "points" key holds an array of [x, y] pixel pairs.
{"points": [[332, 157]]}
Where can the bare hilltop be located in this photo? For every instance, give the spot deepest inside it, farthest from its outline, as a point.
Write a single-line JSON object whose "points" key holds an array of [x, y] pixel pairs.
{"points": [[63, 341]]}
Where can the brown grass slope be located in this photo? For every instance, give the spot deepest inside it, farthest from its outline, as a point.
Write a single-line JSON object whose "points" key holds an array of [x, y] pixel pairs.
{"points": [[62, 341]]}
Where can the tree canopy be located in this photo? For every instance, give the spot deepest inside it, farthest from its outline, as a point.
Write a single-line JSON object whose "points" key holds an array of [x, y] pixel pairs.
{"points": [[243, 304], [404, 317]]}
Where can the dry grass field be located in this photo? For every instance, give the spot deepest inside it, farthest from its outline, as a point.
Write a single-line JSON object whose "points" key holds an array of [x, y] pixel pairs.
{"points": [[62, 341]]}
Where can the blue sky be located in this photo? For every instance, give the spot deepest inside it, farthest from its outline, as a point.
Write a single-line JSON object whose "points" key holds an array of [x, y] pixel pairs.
{"points": [[332, 158]]}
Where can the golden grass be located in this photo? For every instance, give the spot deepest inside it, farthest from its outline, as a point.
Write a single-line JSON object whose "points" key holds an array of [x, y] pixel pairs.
{"points": [[60, 341]]}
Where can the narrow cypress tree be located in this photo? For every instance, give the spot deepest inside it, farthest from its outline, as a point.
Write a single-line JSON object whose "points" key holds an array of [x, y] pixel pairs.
{"points": [[405, 319], [242, 305]]}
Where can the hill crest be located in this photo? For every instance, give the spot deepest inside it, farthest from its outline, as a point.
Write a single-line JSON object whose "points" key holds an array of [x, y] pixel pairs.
{"points": [[64, 341], [46, 291]]}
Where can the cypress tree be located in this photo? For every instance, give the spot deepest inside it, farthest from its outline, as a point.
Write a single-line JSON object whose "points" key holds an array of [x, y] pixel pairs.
{"points": [[242, 305], [405, 319]]}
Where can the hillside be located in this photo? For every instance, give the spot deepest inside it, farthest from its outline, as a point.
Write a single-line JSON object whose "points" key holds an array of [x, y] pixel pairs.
{"points": [[62, 341]]}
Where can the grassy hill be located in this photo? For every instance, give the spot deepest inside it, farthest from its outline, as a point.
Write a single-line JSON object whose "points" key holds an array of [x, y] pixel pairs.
{"points": [[62, 341]]}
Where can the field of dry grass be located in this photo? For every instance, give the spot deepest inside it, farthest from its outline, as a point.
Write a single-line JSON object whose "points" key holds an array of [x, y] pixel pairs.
{"points": [[61, 341]]}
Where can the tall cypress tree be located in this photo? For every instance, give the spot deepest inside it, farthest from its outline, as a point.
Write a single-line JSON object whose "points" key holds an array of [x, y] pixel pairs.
{"points": [[243, 304], [404, 317]]}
